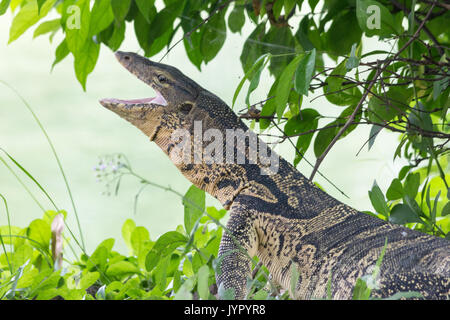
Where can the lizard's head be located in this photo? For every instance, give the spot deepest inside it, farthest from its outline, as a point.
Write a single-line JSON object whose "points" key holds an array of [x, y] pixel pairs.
{"points": [[175, 93]]}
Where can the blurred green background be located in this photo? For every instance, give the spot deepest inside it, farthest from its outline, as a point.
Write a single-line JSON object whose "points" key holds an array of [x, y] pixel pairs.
{"points": [[82, 130]]}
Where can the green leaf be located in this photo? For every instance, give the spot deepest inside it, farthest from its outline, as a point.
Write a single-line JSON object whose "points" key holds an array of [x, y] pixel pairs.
{"points": [[401, 214], [213, 36], [46, 27], [101, 16], [378, 201], [306, 121], [120, 9], [285, 85], [202, 282], [145, 7], [304, 72], [184, 293], [194, 205], [77, 35], [4, 6], [138, 239], [374, 131], [121, 269], [85, 62], [226, 294], [163, 247], [253, 48], [411, 185], [343, 24], [61, 52], [28, 16], [254, 82], [395, 102], [395, 190], [336, 92], [282, 48], [259, 63], [353, 60], [40, 231], [88, 279], [117, 36], [236, 19], [127, 230], [374, 18], [446, 209], [361, 291], [325, 136]]}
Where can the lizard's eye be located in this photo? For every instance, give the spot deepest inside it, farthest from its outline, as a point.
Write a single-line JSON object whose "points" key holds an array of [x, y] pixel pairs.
{"points": [[162, 79]]}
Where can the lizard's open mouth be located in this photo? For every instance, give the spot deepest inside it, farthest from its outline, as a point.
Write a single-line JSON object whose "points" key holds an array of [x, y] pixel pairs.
{"points": [[159, 100]]}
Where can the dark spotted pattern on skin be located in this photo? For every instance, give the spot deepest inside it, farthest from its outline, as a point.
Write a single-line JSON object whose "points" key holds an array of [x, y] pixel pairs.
{"points": [[283, 218]]}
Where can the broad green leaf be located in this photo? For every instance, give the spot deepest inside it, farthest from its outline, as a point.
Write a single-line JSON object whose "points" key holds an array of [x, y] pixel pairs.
{"points": [[160, 272], [145, 7], [28, 16], [325, 136], [253, 48], [127, 230], [40, 231], [213, 36], [374, 18], [285, 85], [302, 34], [46, 27], [269, 107], [101, 16], [226, 294], [411, 184], [120, 9], [122, 268], [378, 201], [304, 72], [401, 214], [395, 102], [77, 30], [192, 42], [164, 20], [202, 282], [85, 62], [139, 237], [446, 209], [184, 292], [142, 31], [236, 19], [336, 92], [194, 205], [343, 24], [353, 60], [165, 244], [259, 63], [117, 36], [306, 121], [395, 190], [282, 48], [88, 279], [4, 6], [62, 51], [254, 82]]}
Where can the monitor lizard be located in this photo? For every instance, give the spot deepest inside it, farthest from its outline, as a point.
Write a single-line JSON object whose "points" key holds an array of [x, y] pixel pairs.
{"points": [[279, 216]]}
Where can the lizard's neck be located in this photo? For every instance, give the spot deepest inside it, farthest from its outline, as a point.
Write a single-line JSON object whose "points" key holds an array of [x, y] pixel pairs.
{"points": [[214, 149]]}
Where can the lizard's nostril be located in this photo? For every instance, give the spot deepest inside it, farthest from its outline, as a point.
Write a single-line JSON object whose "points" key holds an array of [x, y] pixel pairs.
{"points": [[127, 58]]}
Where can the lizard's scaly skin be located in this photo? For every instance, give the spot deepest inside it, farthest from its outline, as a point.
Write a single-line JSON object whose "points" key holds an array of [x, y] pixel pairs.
{"points": [[282, 218]]}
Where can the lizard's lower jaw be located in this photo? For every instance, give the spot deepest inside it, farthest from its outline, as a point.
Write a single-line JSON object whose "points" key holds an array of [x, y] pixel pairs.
{"points": [[159, 100]]}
